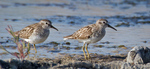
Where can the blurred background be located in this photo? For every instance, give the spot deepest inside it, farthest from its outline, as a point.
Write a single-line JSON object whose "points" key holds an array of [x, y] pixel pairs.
{"points": [[130, 17]]}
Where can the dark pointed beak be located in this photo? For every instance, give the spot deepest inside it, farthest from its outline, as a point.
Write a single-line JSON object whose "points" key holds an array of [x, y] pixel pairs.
{"points": [[111, 27], [53, 27]]}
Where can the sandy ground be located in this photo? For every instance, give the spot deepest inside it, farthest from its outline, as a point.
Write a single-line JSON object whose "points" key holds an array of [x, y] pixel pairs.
{"points": [[67, 61]]}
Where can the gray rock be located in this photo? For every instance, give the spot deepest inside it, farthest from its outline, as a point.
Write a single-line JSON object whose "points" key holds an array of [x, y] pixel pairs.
{"points": [[126, 66], [136, 66], [139, 55]]}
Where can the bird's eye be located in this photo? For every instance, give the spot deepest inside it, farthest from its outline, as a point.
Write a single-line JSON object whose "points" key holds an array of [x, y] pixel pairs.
{"points": [[104, 22], [46, 23]]}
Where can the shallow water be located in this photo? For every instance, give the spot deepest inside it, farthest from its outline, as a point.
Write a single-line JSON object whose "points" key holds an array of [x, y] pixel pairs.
{"points": [[130, 18]]}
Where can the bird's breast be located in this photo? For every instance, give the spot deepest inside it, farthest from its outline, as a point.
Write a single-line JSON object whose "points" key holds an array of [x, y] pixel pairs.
{"points": [[36, 38], [97, 36]]}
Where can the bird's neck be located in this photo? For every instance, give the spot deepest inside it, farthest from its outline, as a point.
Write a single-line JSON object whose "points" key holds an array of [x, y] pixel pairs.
{"points": [[102, 28]]}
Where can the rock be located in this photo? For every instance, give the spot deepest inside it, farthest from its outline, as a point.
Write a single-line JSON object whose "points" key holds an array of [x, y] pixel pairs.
{"points": [[126, 66], [4, 65], [136, 66], [139, 55]]}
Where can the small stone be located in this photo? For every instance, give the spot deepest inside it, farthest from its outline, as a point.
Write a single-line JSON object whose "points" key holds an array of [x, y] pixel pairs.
{"points": [[78, 48], [144, 41], [72, 22], [115, 51], [100, 46], [122, 46], [68, 43]]}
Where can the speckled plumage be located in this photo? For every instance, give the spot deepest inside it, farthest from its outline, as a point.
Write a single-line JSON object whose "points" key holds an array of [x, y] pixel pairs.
{"points": [[91, 33], [26, 32], [36, 33]]}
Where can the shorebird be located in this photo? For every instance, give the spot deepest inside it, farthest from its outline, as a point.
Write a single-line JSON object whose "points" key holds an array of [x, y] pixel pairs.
{"points": [[90, 34], [36, 33]]}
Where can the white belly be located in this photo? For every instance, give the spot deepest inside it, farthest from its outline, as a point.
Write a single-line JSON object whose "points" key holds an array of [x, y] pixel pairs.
{"points": [[91, 40], [36, 39], [95, 38]]}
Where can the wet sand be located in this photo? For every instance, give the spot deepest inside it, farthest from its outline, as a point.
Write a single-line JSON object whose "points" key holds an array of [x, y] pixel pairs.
{"points": [[65, 62]]}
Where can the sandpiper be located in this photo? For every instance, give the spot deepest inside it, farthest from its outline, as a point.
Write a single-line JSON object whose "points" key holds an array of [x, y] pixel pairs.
{"points": [[36, 33], [90, 34]]}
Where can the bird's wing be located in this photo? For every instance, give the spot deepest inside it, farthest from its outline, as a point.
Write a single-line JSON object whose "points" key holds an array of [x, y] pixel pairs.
{"points": [[27, 31], [83, 33]]}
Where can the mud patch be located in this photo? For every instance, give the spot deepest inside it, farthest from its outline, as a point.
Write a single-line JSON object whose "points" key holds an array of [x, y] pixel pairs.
{"points": [[68, 61]]}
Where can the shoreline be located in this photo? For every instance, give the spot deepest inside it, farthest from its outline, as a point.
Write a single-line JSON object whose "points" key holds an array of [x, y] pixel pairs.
{"points": [[137, 58]]}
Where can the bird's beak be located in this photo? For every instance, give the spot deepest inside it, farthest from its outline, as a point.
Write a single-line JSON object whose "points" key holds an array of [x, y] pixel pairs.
{"points": [[111, 27], [53, 27]]}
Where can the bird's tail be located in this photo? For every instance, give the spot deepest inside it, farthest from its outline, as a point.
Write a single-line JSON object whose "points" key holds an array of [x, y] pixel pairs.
{"points": [[16, 33], [68, 37]]}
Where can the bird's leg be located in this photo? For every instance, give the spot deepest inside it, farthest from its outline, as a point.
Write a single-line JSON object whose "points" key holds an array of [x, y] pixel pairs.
{"points": [[87, 51], [84, 51], [35, 48], [28, 47], [28, 44]]}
